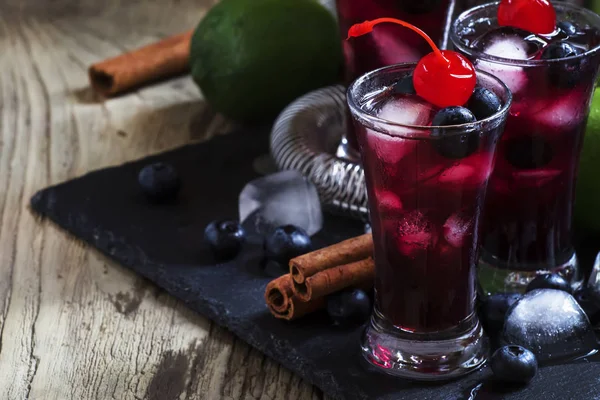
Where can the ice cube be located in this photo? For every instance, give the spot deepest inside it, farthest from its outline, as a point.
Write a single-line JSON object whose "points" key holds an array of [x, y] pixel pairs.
{"points": [[560, 113], [282, 198], [407, 110], [535, 178], [388, 202], [472, 171], [551, 324], [458, 228], [415, 234], [388, 148], [511, 43]]}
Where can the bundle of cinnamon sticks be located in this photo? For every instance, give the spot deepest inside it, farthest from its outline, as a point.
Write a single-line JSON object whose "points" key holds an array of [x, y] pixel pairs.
{"points": [[315, 275]]}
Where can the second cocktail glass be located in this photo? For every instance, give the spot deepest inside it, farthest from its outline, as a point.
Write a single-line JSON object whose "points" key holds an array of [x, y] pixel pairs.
{"points": [[426, 187], [528, 212]]}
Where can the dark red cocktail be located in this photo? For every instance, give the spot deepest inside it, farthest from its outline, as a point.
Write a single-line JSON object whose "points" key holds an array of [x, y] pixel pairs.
{"points": [[527, 218], [427, 135]]}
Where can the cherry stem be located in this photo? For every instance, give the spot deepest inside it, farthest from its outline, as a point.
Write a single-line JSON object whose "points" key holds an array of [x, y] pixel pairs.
{"points": [[367, 26]]}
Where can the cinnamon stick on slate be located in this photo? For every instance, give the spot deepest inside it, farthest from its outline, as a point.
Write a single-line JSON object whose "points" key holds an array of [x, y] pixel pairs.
{"points": [[160, 60], [282, 302], [347, 251], [334, 268], [359, 274]]}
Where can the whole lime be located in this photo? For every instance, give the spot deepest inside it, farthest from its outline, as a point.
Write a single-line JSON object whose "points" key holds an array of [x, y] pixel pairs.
{"points": [[588, 182], [251, 58]]}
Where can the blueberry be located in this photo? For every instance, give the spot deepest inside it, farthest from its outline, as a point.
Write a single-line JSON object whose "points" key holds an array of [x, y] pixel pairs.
{"points": [[349, 307], [588, 304], [419, 7], [405, 86], [225, 238], [493, 310], [568, 28], [484, 103], [450, 144], [560, 49], [285, 243], [563, 74], [514, 364], [528, 152], [159, 181], [549, 281]]}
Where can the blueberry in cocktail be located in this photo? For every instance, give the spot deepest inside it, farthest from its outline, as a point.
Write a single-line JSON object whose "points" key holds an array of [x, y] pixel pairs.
{"points": [[427, 134], [548, 55]]}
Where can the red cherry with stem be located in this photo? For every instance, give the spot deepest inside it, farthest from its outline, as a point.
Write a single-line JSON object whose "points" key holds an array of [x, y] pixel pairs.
{"points": [[443, 77], [535, 16]]}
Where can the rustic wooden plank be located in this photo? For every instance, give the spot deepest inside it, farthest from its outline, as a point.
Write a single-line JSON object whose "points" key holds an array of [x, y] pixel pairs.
{"points": [[73, 324]]}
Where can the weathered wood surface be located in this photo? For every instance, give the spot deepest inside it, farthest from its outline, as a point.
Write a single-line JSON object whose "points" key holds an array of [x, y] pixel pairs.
{"points": [[73, 324]]}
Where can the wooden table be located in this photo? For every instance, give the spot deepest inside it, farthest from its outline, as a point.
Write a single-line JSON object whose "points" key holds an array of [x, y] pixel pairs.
{"points": [[73, 324]]}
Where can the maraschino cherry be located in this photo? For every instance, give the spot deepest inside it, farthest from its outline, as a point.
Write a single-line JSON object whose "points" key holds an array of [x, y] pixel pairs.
{"points": [[442, 77], [536, 16]]}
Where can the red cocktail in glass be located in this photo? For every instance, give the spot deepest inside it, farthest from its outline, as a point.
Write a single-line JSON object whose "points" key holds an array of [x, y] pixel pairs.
{"points": [[527, 217], [426, 186]]}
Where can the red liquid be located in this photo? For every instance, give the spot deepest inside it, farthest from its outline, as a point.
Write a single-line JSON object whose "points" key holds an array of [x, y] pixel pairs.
{"points": [[424, 210], [388, 43], [527, 218]]}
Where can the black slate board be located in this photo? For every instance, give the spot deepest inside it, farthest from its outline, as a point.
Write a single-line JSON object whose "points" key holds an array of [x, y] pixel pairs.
{"points": [[164, 244]]}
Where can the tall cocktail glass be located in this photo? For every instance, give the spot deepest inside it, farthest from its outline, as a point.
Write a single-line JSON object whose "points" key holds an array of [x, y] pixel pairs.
{"points": [[426, 187], [528, 213]]}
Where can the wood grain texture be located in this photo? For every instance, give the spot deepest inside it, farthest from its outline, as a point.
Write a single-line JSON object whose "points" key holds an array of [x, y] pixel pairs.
{"points": [[73, 324]]}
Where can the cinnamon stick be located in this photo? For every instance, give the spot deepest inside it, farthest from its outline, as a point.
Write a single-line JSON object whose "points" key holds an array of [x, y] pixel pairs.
{"points": [[345, 252], [356, 274], [282, 302], [160, 60]]}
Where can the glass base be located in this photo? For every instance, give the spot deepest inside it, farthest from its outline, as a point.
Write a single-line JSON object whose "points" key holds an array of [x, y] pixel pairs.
{"points": [[425, 357], [495, 276]]}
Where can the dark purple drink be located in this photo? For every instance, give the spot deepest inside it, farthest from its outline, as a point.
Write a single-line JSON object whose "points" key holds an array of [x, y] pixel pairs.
{"points": [[527, 218], [426, 186]]}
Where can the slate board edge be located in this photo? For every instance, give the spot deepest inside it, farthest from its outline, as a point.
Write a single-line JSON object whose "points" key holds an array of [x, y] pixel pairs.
{"points": [[202, 306]]}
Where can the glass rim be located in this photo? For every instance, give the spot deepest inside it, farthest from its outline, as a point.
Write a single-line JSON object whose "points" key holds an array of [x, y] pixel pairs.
{"points": [[558, 5], [374, 120]]}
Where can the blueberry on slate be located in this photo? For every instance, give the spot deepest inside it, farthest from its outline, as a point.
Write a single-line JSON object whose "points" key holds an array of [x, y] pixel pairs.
{"points": [[405, 86], [566, 73], [549, 281], [419, 7], [493, 310], [285, 243], [225, 238], [528, 152], [159, 181], [588, 304], [450, 144], [484, 103], [514, 364], [567, 28], [349, 307]]}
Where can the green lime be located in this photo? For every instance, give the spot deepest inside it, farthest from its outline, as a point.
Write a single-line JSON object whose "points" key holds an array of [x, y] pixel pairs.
{"points": [[251, 58], [588, 184]]}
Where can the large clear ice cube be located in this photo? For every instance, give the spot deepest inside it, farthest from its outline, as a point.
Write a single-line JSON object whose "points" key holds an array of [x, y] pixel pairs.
{"points": [[282, 198], [551, 324]]}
